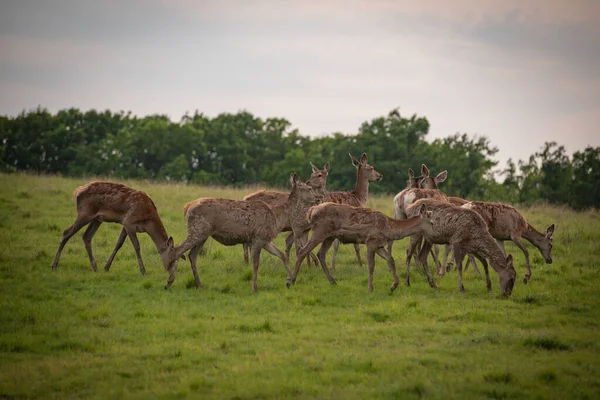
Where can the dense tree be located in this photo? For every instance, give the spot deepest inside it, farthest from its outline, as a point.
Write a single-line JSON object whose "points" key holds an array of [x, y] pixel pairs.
{"points": [[240, 149]]}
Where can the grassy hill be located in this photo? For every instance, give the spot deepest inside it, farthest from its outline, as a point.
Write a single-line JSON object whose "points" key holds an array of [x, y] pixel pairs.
{"points": [[78, 334]]}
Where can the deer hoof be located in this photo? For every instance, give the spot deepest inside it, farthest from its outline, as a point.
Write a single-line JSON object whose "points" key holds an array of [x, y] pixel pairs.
{"points": [[526, 280]]}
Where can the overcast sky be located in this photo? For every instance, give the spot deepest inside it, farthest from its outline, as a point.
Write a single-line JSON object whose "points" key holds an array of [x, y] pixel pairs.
{"points": [[520, 72]]}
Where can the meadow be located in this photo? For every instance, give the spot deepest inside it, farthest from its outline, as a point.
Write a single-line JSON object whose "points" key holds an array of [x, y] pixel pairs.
{"points": [[73, 333]]}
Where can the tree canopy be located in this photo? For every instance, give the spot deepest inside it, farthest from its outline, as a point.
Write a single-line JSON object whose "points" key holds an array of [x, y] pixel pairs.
{"points": [[240, 149]]}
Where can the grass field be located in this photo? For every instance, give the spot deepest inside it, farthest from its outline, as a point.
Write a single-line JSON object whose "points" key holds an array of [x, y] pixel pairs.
{"points": [[78, 334]]}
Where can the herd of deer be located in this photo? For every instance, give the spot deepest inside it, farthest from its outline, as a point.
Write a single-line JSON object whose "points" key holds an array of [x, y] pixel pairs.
{"points": [[423, 212]]}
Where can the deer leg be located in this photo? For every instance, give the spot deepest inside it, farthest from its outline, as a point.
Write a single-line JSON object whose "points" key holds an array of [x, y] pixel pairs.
{"points": [[389, 248], [519, 243], [68, 234], [471, 260], [488, 282], [459, 255], [412, 246], [301, 254], [136, 245], [256, 247], [435, 254], [322, 256], [447, 265], [193, 256], [87, 241], [300, 239], [270, 247], [425, 249], [357, 251], [120, 241], [391, 266], [245, 247], [336, 246], [371, 265]]}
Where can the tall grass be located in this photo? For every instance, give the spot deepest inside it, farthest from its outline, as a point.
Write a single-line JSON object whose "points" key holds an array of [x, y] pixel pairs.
{"points": [[73, 333]]}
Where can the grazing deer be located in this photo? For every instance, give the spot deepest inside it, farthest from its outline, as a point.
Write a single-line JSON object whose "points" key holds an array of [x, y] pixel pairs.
{"points": [[447, 266], [317, 180], [357, 197], [99, 202], [506, 223], [348, 224], [232, 222], [466, 231]]}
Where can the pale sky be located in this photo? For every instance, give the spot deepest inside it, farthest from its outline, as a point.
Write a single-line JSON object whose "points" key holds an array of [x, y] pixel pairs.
{"points": [[520, 72]]}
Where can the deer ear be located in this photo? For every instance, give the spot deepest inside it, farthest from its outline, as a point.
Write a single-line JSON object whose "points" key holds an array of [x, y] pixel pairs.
{"points": [[422, 210], [411, 173], [550, 232], [363, 158], [441, 177], [314, 168], [170, 242], [327, 167], [424, 170], [292, 181], [509, 259], [354, 160]]}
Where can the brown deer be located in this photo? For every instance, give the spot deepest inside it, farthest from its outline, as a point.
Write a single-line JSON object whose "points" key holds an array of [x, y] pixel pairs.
{"points": [[466, 231], [99, 202], [447, 266], [410, 194], [317, 180], [357, 197], [232, 222], [506, 223], [348, 224]]}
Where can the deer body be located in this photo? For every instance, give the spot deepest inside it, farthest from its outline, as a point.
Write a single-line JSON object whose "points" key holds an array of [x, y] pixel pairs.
{"points": [[232, 222], [506, 223], [348, 224], [318, 181], [99, 202], [466, 231], [357, 197]]}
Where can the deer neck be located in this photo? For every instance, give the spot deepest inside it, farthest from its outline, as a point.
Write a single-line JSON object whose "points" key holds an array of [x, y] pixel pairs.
{"points": [[361, 189], [534, 236], [492, 252], [282, 210], [158, 233], [401, 228]]}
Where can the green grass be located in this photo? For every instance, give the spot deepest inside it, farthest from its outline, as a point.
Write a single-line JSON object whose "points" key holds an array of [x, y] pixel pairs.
{"points": [[73, 333]]}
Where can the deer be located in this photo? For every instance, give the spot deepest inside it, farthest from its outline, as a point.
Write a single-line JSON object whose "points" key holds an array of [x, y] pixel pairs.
{"points": [[232, 222], [466, 232], [423, 186], [506, 223], [332, 221], [358, 197], [317, 180], [101, 201]]}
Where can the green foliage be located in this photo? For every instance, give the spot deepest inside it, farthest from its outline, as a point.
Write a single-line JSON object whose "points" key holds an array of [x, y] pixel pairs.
{"points": [[79, 334], [241, 149]]}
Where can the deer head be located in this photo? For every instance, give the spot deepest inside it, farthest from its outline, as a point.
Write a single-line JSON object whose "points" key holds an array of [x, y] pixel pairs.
{"points": [[318, 178], [426, 216], [413, 181], [507, 277], [169, 255], [367, 169], [305, 193], [545, 245], [431, 183]]}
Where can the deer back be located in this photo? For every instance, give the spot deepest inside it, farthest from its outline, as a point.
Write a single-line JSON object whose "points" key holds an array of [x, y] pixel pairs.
{"points": [[503, 221]]}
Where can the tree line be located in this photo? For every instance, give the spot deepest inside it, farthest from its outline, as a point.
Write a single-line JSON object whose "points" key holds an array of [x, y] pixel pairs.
{"points": [[240, 149]]}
